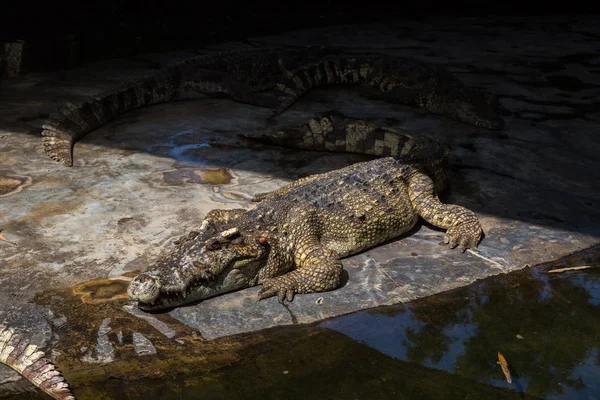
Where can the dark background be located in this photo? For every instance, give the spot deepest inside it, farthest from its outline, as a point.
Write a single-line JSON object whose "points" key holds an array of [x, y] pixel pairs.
{"points": [[123, 28]]}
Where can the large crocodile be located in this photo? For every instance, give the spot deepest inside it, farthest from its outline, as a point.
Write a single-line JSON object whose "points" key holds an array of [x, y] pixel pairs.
{"points": [[272, 77], [293, 240]]}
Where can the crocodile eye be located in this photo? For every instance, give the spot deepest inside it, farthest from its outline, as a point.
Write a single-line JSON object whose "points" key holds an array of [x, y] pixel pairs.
{"points": [[213, 244]]}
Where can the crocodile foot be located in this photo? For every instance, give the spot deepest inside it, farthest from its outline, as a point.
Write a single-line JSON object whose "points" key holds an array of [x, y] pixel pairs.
{"points": [[283, 286], [466, 235]]}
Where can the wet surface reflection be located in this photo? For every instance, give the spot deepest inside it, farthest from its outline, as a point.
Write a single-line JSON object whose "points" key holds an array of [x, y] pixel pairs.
{"points": [[546, 324]]}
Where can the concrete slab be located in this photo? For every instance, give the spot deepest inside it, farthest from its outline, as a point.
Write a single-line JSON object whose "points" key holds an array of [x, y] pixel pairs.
{"points": [[153, 174]]}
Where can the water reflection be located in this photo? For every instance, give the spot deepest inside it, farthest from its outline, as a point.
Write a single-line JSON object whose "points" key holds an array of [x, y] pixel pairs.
{"points": [[546, 325], [444, 347]]}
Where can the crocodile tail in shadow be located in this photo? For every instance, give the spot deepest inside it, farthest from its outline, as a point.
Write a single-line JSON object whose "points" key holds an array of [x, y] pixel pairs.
{"points": [[238, 74], [331, 131], [395, 80], [72, 121], [328, 71], [19, 354]]}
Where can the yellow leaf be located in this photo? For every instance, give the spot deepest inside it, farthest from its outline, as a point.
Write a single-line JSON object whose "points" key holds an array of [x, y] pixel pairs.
{"points": [[504, 366]]}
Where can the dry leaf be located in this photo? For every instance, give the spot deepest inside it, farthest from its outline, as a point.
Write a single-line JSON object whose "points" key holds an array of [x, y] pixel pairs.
{"points": [[504, 365], [3, 239], [569, 269]]}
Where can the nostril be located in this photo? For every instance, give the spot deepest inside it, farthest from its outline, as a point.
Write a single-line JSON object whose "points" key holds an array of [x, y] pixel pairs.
{"points": [[144, 288]]}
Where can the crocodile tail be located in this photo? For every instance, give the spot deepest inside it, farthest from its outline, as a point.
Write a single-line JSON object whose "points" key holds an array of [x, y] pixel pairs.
{"points": [[331, 131], [328, 71], [72, 121], [25, 358]]}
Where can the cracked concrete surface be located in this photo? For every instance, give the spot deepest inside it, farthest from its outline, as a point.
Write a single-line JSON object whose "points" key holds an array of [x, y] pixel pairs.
{"points": [[153, 174]]}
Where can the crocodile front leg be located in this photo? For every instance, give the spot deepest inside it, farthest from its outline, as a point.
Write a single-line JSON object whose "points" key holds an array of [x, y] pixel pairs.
{"points": [[319, 270], [462, 225]]}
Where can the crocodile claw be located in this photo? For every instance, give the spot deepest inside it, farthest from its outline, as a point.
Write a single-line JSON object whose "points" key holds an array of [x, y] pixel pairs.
{"points": [[466, 235], [283, 288]]}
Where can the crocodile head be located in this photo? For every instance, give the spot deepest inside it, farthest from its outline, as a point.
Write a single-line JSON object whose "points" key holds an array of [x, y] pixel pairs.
{"points": [[468, 105], [202, 265]]}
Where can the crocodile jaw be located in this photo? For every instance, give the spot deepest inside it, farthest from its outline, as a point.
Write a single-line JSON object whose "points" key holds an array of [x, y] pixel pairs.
{"points": [[229, 280]]}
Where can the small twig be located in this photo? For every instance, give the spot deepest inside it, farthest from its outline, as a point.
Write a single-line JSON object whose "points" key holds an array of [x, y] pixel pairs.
{"points": [[552, 271]]}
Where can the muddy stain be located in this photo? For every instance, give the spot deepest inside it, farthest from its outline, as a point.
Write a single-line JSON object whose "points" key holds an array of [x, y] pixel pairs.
{"points": [[204, 175], [10, 185], [51, 209], [102, 290], [217, 176]]}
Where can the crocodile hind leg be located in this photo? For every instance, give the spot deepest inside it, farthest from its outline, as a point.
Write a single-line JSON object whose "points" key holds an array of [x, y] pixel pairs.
{"points": [[462, 225]]}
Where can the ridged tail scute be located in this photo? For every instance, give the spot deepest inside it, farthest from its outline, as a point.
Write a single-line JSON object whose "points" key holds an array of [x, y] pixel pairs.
{"points": [[331, 131], [328, 71], [72, 121], [18, 353]]}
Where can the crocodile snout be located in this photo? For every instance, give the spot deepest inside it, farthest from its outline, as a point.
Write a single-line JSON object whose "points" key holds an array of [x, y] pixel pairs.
{"points": [[144, 288]]}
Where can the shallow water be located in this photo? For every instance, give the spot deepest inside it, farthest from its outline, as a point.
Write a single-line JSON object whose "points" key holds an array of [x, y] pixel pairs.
{"points": [[547, 326]]}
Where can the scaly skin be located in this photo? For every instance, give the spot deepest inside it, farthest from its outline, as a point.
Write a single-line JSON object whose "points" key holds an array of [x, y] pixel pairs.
{"points": [[18, 353], [395, 80], [242, 75], [271, 77], [293, 240]]}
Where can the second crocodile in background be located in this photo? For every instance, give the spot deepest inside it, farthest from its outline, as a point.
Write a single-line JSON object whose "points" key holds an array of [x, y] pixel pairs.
{"points": [[273, 78], [395, 80], [293, 240]]}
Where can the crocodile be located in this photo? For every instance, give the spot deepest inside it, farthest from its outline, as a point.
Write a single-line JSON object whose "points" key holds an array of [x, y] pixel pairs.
{"points": [[271, 78], [395, 80], [244, 75], [28, 360], [293, 241]]}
